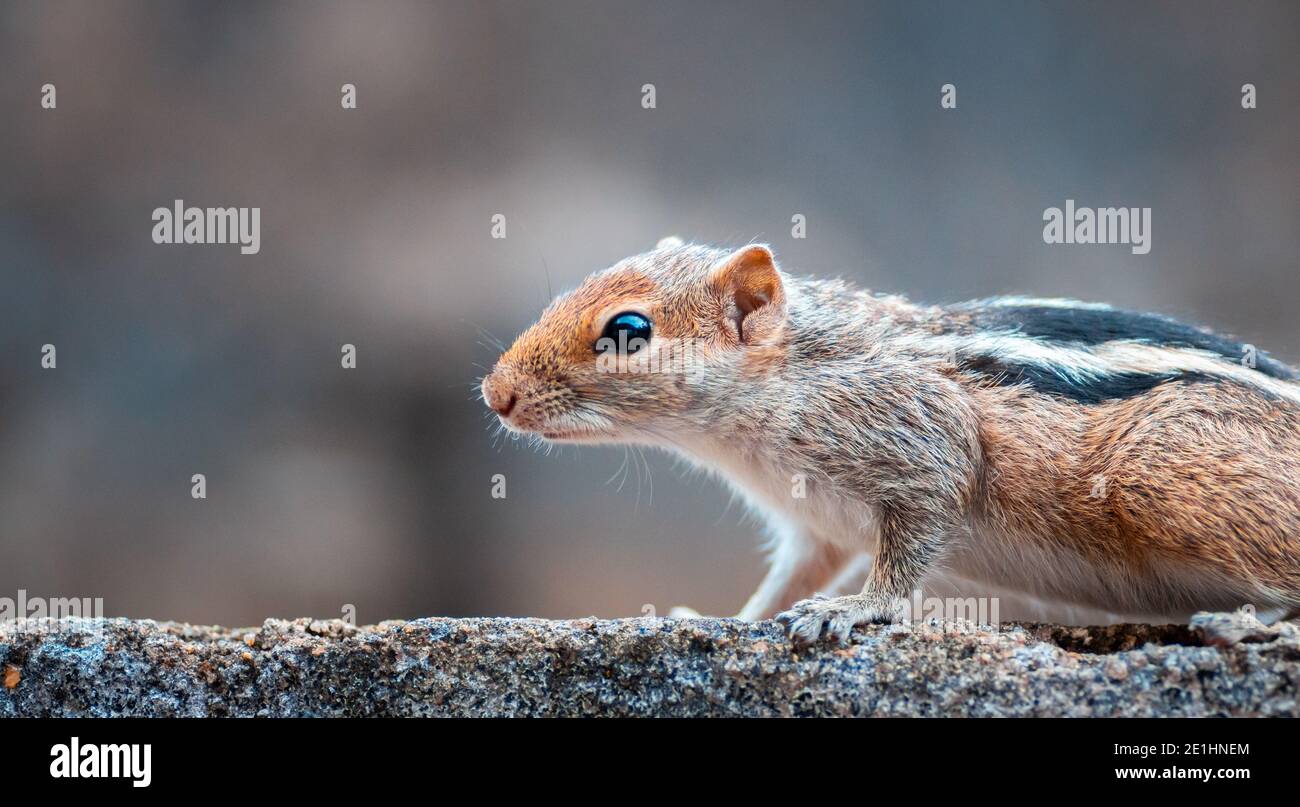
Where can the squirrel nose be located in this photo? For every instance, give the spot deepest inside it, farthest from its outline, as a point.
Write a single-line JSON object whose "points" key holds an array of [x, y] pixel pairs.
{"points": [[499, 396]]}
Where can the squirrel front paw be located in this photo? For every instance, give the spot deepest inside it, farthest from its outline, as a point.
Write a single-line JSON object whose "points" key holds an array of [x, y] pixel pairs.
{"points": [[835, 617]]}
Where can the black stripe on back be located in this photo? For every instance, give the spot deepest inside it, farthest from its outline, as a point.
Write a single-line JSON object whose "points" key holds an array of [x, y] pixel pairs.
{"points": [[1110, 387], [1094, 326]]}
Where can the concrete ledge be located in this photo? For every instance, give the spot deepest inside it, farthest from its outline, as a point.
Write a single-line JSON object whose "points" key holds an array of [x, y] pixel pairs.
{"points": [[1221, 664]]}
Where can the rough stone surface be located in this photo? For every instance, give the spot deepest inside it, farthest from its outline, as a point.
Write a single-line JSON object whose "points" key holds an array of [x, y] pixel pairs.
{"points": [[1220, 664]]}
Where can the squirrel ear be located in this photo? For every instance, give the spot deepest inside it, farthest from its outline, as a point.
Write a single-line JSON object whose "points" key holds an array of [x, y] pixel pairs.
{"points": [[749, 285], [669, 242]]}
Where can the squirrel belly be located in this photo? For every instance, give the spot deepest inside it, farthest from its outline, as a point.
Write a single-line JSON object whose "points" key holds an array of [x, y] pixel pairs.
{"points": [[1072, 451]]}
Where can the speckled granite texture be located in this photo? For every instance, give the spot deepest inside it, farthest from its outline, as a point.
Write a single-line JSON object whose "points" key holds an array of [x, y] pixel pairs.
{"points": [[1221, 664]]}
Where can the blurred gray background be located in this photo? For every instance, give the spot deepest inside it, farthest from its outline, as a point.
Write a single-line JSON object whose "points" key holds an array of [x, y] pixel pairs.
{"points": [[372, 486]]}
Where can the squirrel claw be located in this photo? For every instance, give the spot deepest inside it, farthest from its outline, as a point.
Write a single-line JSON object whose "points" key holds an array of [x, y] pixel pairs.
{"points": [[821, 617]]}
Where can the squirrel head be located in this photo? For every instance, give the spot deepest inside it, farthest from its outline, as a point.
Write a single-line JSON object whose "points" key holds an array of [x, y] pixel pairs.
{"points": [[644, 347]]}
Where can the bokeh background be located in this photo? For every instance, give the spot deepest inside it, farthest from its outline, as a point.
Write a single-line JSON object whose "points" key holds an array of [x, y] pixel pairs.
{"points": [[372, 486]]}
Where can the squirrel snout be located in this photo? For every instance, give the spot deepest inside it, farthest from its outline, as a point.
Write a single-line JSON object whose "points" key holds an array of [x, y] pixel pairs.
{"points": [[499, 395]]}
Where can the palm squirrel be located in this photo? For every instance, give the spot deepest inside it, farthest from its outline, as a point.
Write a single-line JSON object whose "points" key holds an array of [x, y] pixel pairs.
{"points": [[1068, 450]]}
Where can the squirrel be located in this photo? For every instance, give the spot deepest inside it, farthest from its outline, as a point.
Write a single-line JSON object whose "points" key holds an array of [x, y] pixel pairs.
{"points": [[1071, 451]]}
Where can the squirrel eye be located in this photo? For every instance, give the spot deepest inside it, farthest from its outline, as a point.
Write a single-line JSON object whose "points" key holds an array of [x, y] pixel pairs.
{"points": [[625, 333]]}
